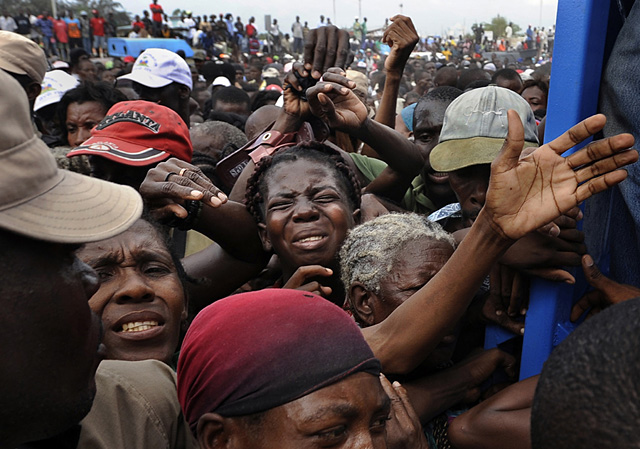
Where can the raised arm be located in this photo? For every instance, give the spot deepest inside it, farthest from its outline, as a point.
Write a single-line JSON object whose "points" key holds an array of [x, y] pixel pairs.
{"points": [[171, 183], [402, 37], [524, 194], [325, 47], [333, 101]]}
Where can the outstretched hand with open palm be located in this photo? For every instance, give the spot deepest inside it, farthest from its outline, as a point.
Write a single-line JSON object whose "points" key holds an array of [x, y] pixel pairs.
{"points": [[528, 192]]}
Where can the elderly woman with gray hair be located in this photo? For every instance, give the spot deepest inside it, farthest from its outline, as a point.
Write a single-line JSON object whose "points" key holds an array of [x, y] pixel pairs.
{"points": [[383, 263]]}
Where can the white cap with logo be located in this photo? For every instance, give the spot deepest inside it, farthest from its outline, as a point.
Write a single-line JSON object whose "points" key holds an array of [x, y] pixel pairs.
{"points": [[157, 67]]}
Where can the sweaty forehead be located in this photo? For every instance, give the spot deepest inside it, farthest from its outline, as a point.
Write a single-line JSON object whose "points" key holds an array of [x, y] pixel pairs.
{"points": [[420, 258], [357, 396], [141, 239], [298, 176]]}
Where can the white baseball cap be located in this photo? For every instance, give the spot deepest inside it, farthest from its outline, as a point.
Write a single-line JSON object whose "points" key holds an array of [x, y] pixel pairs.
{"points": [[157, 67], [221, 81], [54, 86]]}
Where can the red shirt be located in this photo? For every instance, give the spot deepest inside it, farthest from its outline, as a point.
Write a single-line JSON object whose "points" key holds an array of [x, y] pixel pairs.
{"points": [[156, 12], [97, 25], [60, 28], [139, 23], [251, 30]]}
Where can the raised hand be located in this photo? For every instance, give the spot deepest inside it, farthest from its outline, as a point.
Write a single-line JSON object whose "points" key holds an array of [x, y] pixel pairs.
{"points": [[173, 181], [333, 101], [402, 37], [294, 102], [325, 47], [527, 193]]}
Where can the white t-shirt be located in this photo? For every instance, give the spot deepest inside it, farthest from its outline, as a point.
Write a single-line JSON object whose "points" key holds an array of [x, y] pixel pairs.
{"points": [[296, 29], [8, 24]]}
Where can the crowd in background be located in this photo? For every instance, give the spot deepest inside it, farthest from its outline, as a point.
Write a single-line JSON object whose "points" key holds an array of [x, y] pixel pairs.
{"points": [[295, 239]]}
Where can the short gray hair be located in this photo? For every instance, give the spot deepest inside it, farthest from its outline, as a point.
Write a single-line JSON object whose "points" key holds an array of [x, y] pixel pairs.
{"points": [[224, 132], [370, 250]]}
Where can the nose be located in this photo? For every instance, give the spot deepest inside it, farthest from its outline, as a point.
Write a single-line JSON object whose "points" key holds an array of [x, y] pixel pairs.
{"points": [[133, 288], [82, 135], [479, 195], [365, 440], [304, 211]]}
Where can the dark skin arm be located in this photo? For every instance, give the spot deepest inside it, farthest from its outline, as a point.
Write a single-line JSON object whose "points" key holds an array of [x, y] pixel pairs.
{"points": [[226, 222], [285, 123], [335, 103], [500, 422], [390, 185], [606, 291], [325, 47], [217, 274], [236, 256], [522, 197], [459, 384], [402, 37]]}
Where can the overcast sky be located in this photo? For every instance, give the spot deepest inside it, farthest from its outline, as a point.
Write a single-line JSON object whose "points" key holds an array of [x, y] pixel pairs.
{"points": [[429, 16]]}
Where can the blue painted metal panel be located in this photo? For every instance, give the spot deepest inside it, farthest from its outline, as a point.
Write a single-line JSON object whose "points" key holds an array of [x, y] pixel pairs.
{"points": [[579, 52], [133, 47]]}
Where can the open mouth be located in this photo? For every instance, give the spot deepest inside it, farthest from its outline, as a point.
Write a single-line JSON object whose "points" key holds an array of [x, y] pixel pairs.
{"points": [[439, 177], [310, 242], [138, 326]]}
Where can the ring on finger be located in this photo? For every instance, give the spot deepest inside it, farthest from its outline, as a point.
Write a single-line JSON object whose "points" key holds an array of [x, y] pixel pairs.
{"points": [[166, 178], [183, 171]]}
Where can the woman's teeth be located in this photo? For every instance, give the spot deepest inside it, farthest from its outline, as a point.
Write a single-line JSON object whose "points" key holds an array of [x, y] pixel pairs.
{"points": [[311, 239], [138, 326]]}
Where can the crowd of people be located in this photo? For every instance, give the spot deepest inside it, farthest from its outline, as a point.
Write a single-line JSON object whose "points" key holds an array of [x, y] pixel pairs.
{"points": [[296, 248]]}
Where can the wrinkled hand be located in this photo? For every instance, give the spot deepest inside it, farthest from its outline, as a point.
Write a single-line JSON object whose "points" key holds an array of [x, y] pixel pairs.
{"points": [[301, 280], [527, 193], [402, 37], [325, 47], [508, 299], [164, 190], [606, 293], [404, 430], [333, 101], [479, 367]]}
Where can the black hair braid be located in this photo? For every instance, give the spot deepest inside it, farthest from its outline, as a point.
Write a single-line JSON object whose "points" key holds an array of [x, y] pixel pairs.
{"points": [[253, 196], [355, 194], [313, 151]]}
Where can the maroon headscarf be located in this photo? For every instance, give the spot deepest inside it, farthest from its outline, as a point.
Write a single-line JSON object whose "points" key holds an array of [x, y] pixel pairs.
{"points": [[252, 352]]}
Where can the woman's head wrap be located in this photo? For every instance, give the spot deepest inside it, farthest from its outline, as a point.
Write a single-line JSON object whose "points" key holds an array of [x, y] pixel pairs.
{"points": [[255, 351]]}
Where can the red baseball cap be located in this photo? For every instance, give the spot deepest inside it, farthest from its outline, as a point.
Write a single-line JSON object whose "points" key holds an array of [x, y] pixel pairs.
{"points": [[138, 133]]}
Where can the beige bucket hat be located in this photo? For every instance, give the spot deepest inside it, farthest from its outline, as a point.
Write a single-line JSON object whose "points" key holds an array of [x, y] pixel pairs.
{"points": [[39, 200]]}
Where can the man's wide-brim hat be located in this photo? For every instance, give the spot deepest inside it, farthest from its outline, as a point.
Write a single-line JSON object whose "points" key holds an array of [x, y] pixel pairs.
{"points": [[39, 200]]}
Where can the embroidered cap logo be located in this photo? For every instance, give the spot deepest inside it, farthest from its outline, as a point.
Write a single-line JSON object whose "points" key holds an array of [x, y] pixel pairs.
{"points": [[130, 116]]}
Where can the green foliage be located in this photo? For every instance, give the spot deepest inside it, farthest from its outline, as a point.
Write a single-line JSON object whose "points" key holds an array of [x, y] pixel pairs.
{"points": [[498, 24]]}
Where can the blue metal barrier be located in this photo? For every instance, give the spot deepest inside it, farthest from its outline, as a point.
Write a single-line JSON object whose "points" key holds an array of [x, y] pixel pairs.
{"points": [[585, 31], [133, 47], [583, 40]]}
